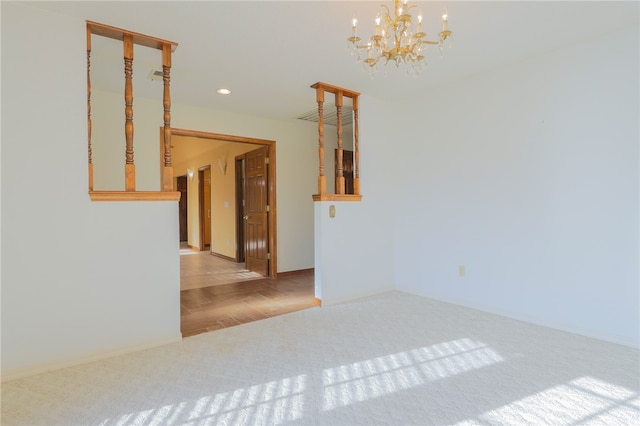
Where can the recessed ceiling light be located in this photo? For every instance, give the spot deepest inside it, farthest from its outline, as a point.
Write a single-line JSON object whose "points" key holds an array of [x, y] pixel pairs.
{"points": [[224, 91]]}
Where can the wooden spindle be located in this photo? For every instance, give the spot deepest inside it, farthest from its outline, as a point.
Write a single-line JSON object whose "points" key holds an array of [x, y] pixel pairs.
{"points": [[129, 39], [340, 181], [90, 153], [356, 148], [130, 168], [166, 78], [322, 179]]}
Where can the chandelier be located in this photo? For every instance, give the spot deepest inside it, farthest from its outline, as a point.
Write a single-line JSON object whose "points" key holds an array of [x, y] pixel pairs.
{"points": [[395, 39]]}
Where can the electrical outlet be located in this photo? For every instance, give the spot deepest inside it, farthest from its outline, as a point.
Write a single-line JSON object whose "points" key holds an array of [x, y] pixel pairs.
{"points": [[462, 271]]}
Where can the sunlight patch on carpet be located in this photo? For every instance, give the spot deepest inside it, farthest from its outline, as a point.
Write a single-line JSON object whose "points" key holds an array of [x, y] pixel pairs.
{"points": [[586, 400], [376, 377], [275, 402]]}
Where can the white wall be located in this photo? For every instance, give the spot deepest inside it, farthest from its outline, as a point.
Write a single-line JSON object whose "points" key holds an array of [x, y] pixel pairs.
{"points": [[108, 142], [296, 174], [77, 276], [528, 176], [79, 279], [354, 250]]}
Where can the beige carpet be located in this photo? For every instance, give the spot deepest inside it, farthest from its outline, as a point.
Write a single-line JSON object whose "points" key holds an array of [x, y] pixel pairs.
{"points": [[392, 359]]}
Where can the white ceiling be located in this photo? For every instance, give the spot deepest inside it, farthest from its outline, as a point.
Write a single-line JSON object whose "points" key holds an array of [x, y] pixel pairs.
{"points": [[270, 52]]}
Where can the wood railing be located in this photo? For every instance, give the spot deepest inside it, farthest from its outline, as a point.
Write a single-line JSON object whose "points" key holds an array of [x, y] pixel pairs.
{"points": [[129, 39], [340, 193]]}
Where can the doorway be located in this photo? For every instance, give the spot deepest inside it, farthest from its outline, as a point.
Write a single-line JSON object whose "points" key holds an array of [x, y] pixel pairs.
{"points": [[210, 302], [263, 221]]}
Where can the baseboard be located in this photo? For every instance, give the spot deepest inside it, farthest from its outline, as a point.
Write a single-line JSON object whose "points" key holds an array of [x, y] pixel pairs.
{"points": [[328, 302], [296, 272], [222, 256], [32, 370], [619, 340]]}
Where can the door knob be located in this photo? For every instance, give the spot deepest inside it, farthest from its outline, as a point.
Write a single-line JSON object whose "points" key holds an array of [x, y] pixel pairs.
{"points": [[246, 217]]}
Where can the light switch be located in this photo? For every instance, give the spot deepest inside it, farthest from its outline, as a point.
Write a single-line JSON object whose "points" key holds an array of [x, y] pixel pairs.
{"points": [[332, 211], [462, 271], [226, 204]]}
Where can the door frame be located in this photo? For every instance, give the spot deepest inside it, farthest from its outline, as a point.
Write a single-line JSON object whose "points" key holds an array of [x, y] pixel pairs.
{"points": [[202, 216], [271, 185]]}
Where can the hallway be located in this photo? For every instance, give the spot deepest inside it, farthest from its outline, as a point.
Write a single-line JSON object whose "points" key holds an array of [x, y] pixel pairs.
{"points": [[217, 293], [202, 269]]}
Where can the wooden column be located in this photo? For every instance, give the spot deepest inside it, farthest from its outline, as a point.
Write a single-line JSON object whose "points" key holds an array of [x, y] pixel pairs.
{"points": [[129, 39], [340, 182], [167, 171], [130, 168], [322, 179], [90, 164], [356, 148]]}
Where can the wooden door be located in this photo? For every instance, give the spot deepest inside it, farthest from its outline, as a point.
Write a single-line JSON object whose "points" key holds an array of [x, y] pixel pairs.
{"points": [[204, 186], [256, 229], [182, 208], [347, 171], [240, 197]]}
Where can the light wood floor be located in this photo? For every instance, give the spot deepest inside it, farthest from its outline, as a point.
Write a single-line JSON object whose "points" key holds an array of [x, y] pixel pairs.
{"points": [[207, 303], [202, 269]]}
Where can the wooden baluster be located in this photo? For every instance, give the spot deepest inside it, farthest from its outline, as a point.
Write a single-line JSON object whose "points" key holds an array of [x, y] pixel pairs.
{"points": [[356, 143], [130, 168], [167, 177], [340, 181], [90, 164], [322, 179]]}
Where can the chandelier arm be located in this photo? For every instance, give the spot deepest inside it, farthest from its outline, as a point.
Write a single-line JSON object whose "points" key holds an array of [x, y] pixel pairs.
{"points": [[387, 18], [396, 39]]}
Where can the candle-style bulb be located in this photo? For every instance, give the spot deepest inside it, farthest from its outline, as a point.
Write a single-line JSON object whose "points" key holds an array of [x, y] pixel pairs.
{"points": [[354, 31]]}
